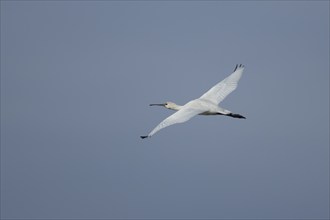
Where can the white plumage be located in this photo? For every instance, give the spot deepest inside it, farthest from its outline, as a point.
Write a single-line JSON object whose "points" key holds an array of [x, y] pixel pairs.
{"points": [[207, 104]]}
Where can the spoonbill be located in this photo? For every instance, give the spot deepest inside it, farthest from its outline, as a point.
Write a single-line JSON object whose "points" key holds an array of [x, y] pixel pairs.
{"points": [[207, 104]]}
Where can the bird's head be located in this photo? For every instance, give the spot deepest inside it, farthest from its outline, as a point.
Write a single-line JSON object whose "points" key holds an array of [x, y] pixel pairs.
{"points": [[168, 105]]}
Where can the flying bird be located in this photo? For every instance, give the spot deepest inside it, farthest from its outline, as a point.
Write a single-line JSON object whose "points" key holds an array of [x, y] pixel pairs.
{"points": [[207, 104]]}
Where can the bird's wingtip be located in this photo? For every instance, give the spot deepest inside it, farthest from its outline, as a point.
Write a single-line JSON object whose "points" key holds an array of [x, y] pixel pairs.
{"points": [[239, 66]]}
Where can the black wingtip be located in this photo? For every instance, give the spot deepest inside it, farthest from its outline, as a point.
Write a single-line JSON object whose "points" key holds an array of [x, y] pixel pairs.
{"points": [[143, 137], [238, 66]]}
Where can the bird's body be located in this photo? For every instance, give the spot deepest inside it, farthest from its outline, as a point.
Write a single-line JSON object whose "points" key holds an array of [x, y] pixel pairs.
{"points": [[207, 104], [208, 107]]}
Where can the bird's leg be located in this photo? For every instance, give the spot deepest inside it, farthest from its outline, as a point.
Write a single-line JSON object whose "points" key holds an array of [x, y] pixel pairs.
{"points": [[235, 115]]}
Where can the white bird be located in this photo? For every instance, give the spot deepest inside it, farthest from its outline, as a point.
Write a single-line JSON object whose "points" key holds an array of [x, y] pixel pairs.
{"points": [[207, 104]]}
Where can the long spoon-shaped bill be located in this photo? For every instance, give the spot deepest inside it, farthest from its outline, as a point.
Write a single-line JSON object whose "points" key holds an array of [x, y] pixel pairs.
{"points": [[157, 105]]}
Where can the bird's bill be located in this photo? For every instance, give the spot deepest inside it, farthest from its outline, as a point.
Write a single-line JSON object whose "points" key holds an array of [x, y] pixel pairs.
{"points": [[157, 105]]}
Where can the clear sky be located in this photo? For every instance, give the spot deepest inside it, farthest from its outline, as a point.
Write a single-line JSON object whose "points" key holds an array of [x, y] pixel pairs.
{"points": [[76, 81]]}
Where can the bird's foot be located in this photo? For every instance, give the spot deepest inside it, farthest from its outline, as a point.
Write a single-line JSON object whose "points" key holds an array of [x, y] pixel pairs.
{"points": [[235, 115]]}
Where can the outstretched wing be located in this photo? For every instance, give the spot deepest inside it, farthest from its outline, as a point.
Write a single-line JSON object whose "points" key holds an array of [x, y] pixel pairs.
{"points": [[219, 92], [183, 115]]}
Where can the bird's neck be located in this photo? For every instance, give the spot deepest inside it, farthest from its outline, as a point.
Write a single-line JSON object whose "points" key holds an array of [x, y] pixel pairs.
{"points": [[175, 107]]}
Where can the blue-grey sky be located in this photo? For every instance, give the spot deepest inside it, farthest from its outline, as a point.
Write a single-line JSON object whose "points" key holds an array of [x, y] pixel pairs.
{"points": [[76, 81]]}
